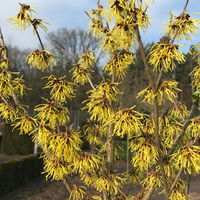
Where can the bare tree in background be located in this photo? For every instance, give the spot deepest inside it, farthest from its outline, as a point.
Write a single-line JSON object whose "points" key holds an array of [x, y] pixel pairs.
{"points": [[68, 45]]}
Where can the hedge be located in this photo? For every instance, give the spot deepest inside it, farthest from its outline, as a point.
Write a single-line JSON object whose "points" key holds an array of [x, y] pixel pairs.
{"points": [[18, 172]]}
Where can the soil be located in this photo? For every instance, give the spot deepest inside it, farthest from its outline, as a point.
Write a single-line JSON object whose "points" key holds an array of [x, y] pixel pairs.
{"points": [[40, 189]]}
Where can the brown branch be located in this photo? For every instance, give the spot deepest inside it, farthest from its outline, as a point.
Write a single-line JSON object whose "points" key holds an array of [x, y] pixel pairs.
{"points": [[149, 193], [155, 109], [142, 51], [175, 180], [90, 82], [178, 138], [40, 41], [186, 4], [38, 35], [67, 186]]}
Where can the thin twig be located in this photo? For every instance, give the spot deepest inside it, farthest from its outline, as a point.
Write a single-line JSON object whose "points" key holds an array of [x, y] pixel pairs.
{"points": [[38, 36], [175, 180], [187, 122], [186, 4], [40, 41], [66, 184], [149, 193], [90, 82]]}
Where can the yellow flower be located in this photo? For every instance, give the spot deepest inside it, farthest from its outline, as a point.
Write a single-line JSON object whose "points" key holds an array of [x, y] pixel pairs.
{"points": [[18, 86], [116, 10], [109, 183], [124, 30], [6, 89], [42, 136], [167, 90], [61, 89], [23, 19], [145, 153], [182, 26], [86, 163], [119, 63], [92, 134], [164, 55], [194, 127], [108, 41], [26, 124], [65, 145], [39, 23], [153, 179], [179, 191], [96, 24], [40, 59], [188, 158], [169, 129], [127, 121], [87, 59], [196, 77], [100, 99], [179, 111], [81, 75], [55, 168], [141, 17], [77, 192], [149, 126], [52, 115], [3, 57], [10, 112]]}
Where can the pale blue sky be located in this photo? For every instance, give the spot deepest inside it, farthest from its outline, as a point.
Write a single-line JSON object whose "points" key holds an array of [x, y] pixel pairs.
{"points": [[70, 14]]}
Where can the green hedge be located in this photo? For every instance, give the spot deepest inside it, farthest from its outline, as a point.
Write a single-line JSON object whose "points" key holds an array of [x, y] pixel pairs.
{"points": [[18, 172]]}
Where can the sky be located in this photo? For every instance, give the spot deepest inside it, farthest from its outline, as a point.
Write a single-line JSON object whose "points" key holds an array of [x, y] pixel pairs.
{"points": [[70, 14]]}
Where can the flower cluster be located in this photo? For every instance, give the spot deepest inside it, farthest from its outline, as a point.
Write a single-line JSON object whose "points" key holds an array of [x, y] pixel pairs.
{"points": [[52, 114], [153, 179], [87, 163], [100, 99], [127, 121], [109, 183], [170, 129], [10, 112], [23, 19], [40, 59], [145, 153], [179, 191], [61, 89], [77, 193], [196, 77], [188, 158], [81, 73], [3, 57], [167, 90], [182, 26], [194, 127], [55, 168], [18, 86], [164, 55], [6, 89], [93, 134], [26, 124], [178, 111], [119, 63]]}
